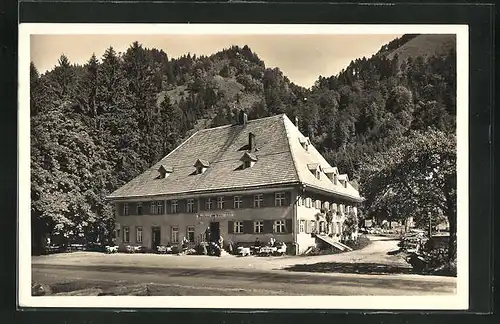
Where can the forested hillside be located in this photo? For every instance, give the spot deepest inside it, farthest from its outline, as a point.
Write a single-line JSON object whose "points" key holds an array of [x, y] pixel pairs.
{"points": [[94, 127]]}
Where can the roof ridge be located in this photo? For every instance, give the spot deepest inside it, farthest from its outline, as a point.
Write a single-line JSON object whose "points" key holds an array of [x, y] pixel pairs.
{"points": [[288, 138], [248, 122]]}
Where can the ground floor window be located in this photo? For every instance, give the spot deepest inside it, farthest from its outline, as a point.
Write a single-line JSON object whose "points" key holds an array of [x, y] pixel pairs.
{"points": [[302, 226], [126, 234], [190, 234], [322, 227], [138, 234], [175, 234], [339, 228], [279, 226], [238, 227], [258, 226]]}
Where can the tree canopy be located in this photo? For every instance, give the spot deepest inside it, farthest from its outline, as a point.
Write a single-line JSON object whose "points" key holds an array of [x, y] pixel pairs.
{"points": [[117, 114]]}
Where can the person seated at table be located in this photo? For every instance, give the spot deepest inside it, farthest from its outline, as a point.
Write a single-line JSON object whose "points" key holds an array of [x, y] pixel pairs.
{"points": [[257, 242], [272, 241]]}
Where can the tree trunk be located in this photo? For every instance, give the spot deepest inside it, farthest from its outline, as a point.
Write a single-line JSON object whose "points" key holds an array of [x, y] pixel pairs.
{"points": [[452, 244]]}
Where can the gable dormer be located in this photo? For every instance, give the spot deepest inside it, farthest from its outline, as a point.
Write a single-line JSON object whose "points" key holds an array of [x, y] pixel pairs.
{"points": [[343, 179], [201, 166], [315, 169], [164, 171], [248, 160], [305, 142], [332, 174]]}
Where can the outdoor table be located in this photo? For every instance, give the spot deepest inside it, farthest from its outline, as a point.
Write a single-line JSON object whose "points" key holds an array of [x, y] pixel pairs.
{"points": [[267, 250], [243, 251]]}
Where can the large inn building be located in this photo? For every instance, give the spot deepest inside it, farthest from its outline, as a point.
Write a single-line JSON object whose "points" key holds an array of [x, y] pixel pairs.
{"points": [[253, 180]]}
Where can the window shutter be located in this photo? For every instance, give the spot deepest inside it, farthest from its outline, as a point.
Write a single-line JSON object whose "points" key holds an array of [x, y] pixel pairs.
{"points": [[132, 209], [288, 224], [119, 206], [247, 202], [268, 226], [146, 208], [288, 198], [230, 227], [268, 200], [247, 227]]}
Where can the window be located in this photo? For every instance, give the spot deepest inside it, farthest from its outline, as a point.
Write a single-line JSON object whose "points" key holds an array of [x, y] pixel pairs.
{"points": [[302, 226], [308, 202], [326, 205], [317, 204], [190, 234], [247, 164], [220, 202], [154, 210], [138, 234], [258, 226], [190, 205], [238, 200], [258, 200], [173, 206], [175, 234], [279, 226], [333, 208], [125, 209], [318, 174], [300, 201], [313, 225], [160, 207], [199, 170], [279, 199], [139, 208], [209, 203], [238, 227], [126, 234]]}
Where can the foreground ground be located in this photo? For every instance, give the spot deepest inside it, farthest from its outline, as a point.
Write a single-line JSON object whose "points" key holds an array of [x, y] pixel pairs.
{"points": [[374, 270]]}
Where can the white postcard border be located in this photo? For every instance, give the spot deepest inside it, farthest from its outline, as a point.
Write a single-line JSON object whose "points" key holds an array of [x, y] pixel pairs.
{"points": [[430, 302]]}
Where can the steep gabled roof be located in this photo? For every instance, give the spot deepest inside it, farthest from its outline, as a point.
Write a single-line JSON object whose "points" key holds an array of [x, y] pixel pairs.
{"points": [[220, 147], [303, 159], [282, 160]]}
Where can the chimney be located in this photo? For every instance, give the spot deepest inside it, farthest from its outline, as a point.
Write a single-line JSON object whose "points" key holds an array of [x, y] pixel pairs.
{"points": [[251, 142], [296, 121], [243, 118]]}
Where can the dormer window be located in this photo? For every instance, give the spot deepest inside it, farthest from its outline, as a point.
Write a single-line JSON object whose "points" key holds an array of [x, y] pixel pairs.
{"points": [[164, 171], [248, 160], [305, 142], [201, 166], [315, 169], [331, 173], [343, 180]]}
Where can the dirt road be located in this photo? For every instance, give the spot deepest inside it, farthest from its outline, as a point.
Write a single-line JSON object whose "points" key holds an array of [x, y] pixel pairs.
{"points": [[370, 271]]}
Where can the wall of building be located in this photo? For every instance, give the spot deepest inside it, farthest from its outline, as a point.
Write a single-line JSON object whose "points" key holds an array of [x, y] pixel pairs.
{"points": [[308, 214], [200, 218]]}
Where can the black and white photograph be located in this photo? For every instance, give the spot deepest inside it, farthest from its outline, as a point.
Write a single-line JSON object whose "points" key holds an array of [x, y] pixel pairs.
{"points": [[244, 166]]}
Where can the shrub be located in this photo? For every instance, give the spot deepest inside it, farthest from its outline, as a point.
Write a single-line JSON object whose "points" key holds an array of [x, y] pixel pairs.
{"points": [[358, 244]]}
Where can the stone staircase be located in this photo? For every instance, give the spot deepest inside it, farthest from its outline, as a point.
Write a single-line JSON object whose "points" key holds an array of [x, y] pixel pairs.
{"points": [[336, 244]]}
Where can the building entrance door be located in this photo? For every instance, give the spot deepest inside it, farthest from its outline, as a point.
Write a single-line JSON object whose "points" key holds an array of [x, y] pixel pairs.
{"points": [[155, 237], [214, 231]]}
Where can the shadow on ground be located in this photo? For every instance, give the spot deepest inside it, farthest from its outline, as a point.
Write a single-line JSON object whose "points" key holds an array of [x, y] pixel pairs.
{"points": [[360, 268]]}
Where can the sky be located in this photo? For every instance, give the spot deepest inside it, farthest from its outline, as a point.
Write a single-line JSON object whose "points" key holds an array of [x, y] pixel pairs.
{"points": [[302, 58]]}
